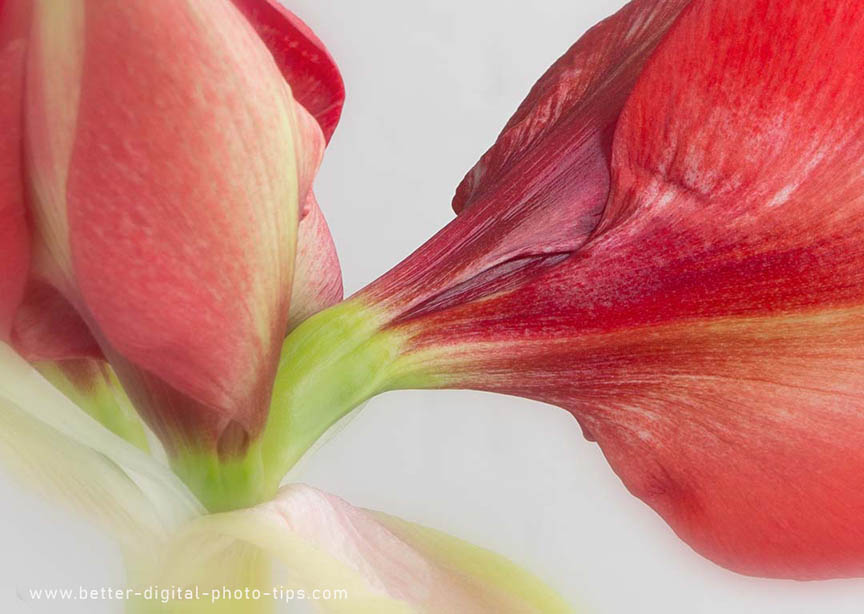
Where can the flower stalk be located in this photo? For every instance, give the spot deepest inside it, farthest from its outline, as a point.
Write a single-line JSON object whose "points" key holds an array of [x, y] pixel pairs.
{"points": [[330, 364]]}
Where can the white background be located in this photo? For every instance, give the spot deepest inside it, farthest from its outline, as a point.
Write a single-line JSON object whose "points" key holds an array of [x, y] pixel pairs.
{"points": [[430, 84]]}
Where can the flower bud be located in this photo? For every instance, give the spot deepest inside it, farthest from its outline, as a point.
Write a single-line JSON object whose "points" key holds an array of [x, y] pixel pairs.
{"points": [[169, 166]]}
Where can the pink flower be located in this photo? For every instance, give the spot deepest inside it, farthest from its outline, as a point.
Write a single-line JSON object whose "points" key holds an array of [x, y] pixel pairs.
{"points": [[166, 169]]}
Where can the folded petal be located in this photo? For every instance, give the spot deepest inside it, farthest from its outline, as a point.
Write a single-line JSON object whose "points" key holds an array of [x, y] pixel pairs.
{"points": [[14, 234], [575, 106], [317, 274], [303, 59], [381, 563]]}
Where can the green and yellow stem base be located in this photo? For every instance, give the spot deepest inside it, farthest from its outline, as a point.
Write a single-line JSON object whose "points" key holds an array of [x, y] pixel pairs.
{"points": [[330, 364]]}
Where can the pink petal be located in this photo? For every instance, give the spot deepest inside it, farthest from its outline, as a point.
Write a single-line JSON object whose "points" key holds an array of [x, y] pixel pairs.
{"points": [[303, 59], [317, 280], [14, 234], [180, 204], [386, 564], [309, 146], [317, 274]]}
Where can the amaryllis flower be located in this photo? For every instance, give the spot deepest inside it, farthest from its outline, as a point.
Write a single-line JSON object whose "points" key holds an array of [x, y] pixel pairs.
{"points": [[164, 153], [666, 241]]}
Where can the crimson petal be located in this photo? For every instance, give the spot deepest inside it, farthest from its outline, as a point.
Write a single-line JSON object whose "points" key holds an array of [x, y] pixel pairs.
{"points": [[14, 234], [302, 57]]}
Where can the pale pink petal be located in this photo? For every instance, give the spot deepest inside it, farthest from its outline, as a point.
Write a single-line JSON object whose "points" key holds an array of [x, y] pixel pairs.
{"points": [[382, 563], [317, 275]]}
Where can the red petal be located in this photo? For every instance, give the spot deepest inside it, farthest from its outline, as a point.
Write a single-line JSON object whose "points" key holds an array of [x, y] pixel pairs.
{"points": [[539, 191], [748, 166], [47, 327], [302, 57], [14, 234], [572, 108], [709, 335]]}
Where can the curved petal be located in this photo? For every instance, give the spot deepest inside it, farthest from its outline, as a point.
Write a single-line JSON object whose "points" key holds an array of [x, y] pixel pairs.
{"points": [[573, 107], [317, 282], [381, 563], [309, 146], [761, 475], [317, 274], [14, 234], [303, 59]]}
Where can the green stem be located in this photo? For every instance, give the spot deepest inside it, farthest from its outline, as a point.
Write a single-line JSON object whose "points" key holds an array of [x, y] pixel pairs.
{"points": [[330, 364], [224, 484]]}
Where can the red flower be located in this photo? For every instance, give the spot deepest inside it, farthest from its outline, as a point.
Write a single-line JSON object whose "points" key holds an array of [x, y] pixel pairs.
{"points": [[667, 241]]}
